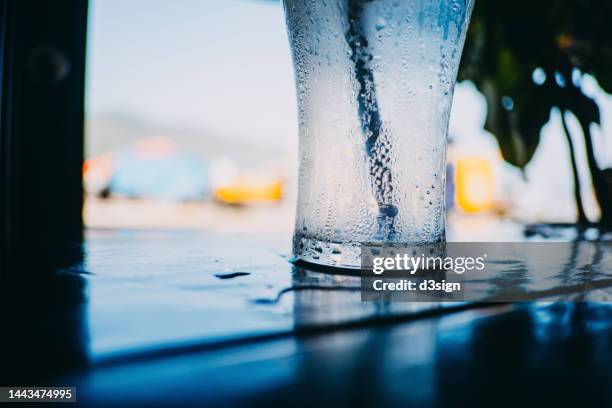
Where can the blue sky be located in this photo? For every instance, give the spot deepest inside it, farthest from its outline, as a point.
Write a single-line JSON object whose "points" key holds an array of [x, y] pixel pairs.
{"points": [[211, 65]]}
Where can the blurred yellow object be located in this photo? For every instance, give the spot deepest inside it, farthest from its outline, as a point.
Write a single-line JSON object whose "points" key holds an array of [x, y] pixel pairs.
{"points": [[245, 192], [474, 184]]}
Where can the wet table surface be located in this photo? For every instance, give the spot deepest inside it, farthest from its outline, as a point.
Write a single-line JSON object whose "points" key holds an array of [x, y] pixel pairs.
{"points": [[188, 317]]}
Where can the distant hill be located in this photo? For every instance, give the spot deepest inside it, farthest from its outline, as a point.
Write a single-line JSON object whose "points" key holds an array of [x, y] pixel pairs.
{"points": [[111, 133]]}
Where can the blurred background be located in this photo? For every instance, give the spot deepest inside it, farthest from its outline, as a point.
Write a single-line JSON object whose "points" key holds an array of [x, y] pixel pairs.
{"points": [[192, 123]]}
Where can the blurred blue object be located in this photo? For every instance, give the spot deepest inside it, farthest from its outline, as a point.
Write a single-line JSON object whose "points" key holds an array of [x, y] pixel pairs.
{"points": [[156, 170]]}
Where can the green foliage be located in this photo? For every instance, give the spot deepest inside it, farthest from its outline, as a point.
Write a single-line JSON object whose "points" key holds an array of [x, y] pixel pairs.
{"points": [[509, 40]]}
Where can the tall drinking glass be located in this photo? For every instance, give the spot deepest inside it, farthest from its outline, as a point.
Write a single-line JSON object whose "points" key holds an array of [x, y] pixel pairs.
{"points": [[375, 81]]}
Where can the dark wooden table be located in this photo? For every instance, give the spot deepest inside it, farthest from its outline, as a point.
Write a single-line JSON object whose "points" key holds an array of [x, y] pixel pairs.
{"points": [[190, 318]]}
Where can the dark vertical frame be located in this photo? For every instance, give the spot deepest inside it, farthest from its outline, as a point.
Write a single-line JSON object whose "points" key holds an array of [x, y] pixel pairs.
{"points": [[42, 44]]}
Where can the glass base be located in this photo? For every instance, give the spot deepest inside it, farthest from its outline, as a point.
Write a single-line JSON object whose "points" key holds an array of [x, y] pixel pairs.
{"points": [[347, 255], [327, 253]]}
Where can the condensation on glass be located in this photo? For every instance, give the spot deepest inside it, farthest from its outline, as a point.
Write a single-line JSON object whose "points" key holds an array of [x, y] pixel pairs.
{"points": [[375, 82]]}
